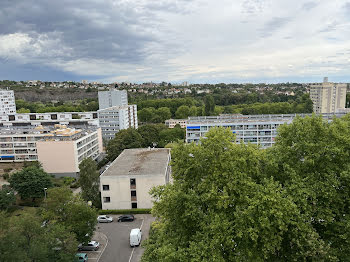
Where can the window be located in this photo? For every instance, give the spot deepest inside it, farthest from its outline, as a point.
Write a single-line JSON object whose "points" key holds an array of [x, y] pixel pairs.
{"points": [[105, 187], [132, 183], [133, 205], [133, 193], [106, 199]]}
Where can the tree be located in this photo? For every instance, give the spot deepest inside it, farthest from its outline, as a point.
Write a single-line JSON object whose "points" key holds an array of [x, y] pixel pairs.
{"points": [[89, 178], [170, 135], [124, 139], [225, 206], [182, 112], [30, 182], [150, 134], [7, 198], [70, 211], [163, 113], [209, 105], [146, 115]]}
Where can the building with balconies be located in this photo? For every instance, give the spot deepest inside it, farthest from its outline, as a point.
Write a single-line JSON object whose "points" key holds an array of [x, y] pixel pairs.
{"points": [[7, 102]]}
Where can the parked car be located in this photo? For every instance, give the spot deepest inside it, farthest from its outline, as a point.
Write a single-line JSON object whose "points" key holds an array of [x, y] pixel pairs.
{"points": [[135, 237], [126, 218], [81, 257], [104, 219], [91, 246]]}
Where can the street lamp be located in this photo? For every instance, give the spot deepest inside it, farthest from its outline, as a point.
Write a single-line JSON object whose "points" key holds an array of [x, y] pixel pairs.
{"points": [[45, 188]]}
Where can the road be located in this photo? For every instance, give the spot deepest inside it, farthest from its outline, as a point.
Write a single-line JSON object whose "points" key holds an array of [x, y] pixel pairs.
{"points": [[118, 248]]}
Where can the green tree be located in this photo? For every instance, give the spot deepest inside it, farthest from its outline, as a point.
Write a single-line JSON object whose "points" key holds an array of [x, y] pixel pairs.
{"points": [[22, 110], [150, 134], [193, 111], [30, 182], [182, 112], [124, 139], [70, 211], [209, 105], [224, 206], [164, 113], [146, 115], [170, 135], [7, 198], [89, 178]]}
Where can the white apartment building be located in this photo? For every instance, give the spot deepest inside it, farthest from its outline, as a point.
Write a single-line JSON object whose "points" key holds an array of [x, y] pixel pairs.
{"points": [[328, 97], [255, 129], [7, 102], [128, 180], [116, 118], [52, 118], [59, 149], [112, 98], [171, 123]]}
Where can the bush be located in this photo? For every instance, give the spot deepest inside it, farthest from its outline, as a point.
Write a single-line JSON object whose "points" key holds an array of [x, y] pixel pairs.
{"points": [[6, 176], [74, 185], [125, 211], [8, 169], [68, 181]]}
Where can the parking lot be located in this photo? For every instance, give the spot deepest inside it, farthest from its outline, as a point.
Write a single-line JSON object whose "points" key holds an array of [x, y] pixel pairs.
{"points": [[114, 240]]}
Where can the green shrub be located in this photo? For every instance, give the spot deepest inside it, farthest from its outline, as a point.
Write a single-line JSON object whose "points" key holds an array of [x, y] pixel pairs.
{"points": [[6, 176], [74, 185], [125, 211], [68, 180]]}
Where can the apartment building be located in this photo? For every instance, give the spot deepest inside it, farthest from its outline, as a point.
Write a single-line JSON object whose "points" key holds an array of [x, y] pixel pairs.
{"points": [[59, 149], [328, 97], [128, 180], [171, 123], [116, 118], [52, 118], [7, 102], [111, 98], [255, 129]]}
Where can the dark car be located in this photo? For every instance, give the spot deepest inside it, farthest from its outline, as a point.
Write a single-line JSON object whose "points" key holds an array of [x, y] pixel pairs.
{"points": [[126, 218]]}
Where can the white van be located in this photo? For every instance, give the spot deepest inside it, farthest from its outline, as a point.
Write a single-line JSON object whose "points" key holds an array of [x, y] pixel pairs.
{"points": [[135, 237]]}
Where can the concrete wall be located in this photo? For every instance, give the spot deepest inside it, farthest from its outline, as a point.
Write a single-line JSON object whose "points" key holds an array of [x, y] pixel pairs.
{"points": [[57, 156]]}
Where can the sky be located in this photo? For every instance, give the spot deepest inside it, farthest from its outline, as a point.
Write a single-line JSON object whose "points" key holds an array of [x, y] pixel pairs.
{"points": [[198, 41]]}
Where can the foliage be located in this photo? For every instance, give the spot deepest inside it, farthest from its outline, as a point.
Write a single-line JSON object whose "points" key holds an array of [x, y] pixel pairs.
{"points": [[30, 182], [6, 176], [7, 198], [64, 209], [125, 211], [124, 139], [23, 238], [150, 134], [209, 105], [89, 178], [236, 202]]}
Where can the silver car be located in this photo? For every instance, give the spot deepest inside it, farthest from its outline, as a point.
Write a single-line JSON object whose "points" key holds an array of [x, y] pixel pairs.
{"points": [[91, 246], [104, 219]]}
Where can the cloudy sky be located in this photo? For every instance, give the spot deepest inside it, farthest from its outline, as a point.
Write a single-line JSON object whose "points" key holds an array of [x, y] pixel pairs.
{"points": [[199, 41]]}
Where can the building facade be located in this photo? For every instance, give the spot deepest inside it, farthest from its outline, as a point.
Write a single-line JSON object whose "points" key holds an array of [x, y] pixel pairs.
{"points": [[128, 180], [112, 98], [7, 102], [59, 149], [116, 118], [328, 97], [255, 129], [171, 123]]}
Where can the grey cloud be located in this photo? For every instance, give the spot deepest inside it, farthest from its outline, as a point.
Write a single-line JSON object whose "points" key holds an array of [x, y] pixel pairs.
{"points": [[252, 6], [273, 25], [114, 31], [330, 27], [309, 5]]}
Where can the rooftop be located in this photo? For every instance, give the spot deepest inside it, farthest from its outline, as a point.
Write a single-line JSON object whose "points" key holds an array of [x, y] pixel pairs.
{"points": [[140, 161]]}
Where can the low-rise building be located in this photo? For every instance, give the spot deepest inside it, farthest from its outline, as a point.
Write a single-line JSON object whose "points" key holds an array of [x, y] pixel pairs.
{"points": [[128, 180], [255, 129], [171, 123], [59, 149]]}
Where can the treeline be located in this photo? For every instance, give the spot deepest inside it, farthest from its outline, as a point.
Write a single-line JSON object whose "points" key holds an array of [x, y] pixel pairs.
{"points": [[23, 106], [151, 135], [237, 202]]}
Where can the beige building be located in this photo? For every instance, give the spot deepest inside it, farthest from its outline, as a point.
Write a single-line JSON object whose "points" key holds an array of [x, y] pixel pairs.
{"points": [[59, 149], [328, 97], [128, 180], [171, 123]]}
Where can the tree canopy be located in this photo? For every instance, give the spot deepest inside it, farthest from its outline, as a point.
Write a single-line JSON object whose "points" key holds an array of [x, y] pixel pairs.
{"points": [[236, 202]]}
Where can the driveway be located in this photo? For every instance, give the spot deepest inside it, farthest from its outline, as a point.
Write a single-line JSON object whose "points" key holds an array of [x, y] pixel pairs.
{"points": [[118, 248]]}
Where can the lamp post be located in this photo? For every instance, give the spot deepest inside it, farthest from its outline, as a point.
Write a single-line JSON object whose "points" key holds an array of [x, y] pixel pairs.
{"points": [[45, 188]]}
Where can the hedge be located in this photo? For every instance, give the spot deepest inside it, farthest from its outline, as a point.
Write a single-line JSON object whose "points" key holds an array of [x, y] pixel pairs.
{"points": [[125, 211]]}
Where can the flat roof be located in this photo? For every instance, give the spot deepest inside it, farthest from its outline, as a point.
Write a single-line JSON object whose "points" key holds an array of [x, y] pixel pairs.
{"points": [[139, 161]]}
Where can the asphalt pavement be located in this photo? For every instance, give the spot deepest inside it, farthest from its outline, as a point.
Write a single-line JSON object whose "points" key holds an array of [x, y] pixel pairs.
{"points": [[117, 248]]}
